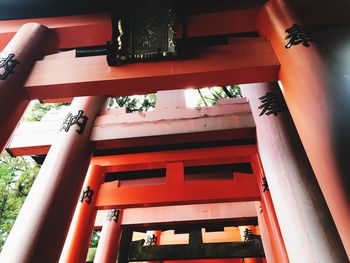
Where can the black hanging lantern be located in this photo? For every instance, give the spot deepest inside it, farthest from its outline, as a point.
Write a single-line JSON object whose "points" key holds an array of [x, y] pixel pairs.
{"points": [[142, 30]]}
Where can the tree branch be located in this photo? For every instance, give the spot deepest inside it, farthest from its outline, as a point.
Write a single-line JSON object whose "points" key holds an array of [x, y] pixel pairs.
{"points": [[200, 94], [227, 92]]}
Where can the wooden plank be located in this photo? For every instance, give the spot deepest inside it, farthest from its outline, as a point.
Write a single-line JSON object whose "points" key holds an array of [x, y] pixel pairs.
{"points": [[95, 29], [73, 31], [252, 249], [90, 76], [179, 155], [113, 130], [133, 129], [183, 213], [241, 188], [222, 23]]}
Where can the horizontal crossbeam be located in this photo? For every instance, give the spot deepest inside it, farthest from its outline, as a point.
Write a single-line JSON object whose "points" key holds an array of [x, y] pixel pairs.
{"points": [[242, 188], [251, 249], [95, 29], [177, 189], [227, 154], [240, 62], [115, 130], [180, 214]]}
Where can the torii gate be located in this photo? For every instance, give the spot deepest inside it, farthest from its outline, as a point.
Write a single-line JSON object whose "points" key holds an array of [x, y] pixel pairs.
{"points": [[298, 66]]}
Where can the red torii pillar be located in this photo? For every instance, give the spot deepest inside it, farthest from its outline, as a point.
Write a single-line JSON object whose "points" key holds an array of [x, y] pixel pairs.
{"points": [[318, 99], [31, 42], [268, 209], [307, 227], [266, 238], [43, 222], [78, 240], [108, 245]]}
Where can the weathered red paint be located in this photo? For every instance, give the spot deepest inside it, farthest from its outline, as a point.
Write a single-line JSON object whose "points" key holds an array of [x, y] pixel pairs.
{"points": [[317, 97], [269, 214], [108, 245], [242, 188], [43, 222], [78, 239], [95, 29], [297, 199], [266, 236], [241, 63], [31, 42]]}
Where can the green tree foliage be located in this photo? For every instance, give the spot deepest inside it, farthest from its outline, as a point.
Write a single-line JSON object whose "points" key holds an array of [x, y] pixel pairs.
{"points": [[38, 110], [16, 178], [134, 103], [17, 175], [95, 238], [210, 96]]}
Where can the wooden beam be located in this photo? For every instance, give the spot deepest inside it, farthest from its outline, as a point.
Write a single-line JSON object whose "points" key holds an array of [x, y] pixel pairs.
{"points": [[91, 76], [41, 146], [172, 121], [252, 249], [222, 23], [241, 188], [183, 213], [188, 155], [115, 130], [73, 31], [95, 29]]}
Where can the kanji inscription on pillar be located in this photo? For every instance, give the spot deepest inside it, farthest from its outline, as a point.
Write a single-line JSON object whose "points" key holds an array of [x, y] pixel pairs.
{"points": [[86, 195], [271, 104], [7, 65], [151, 240], [80, 120], [113, 215], [298, 34], [265, 186], [248, 235]]}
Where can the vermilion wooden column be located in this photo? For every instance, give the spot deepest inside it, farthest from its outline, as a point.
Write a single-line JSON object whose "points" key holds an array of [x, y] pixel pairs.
{"points": [[31, 42], [43, 222], [266, 237], [78, 240], [271, 221], [108, 246], [242, 230], [318, 99], [307, 227]]}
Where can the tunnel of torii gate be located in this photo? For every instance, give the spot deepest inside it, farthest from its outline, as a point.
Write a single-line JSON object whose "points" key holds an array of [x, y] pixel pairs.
{"points": [[262, 178]]}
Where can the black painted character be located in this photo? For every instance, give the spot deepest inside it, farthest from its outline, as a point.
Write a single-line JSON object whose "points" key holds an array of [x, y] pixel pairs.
{"points": [[298, 34], [151, 240], [78, 119], [113, 215], [270, 104], [265, 186], [248, 235], [7, 66], [86, 194]]}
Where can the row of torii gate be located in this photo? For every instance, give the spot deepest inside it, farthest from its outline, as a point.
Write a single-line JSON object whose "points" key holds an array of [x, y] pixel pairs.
{"points": [[302, 185]]}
